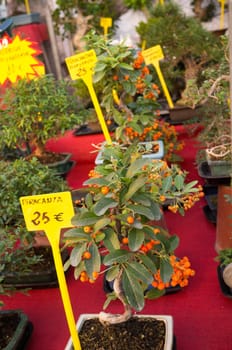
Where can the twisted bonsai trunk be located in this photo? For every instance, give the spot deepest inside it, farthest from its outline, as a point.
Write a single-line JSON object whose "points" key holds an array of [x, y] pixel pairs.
{"points": [[108, 318]]}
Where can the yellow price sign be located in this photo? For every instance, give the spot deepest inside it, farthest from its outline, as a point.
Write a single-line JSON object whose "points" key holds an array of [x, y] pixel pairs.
{"points": [[105, 22], [81, 66], [222, 2], [47, 211], [51, 212], [152, 56]]}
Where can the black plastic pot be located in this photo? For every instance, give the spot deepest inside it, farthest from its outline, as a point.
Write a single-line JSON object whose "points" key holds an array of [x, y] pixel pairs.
{"points": [[22, 329], [226, 290]]}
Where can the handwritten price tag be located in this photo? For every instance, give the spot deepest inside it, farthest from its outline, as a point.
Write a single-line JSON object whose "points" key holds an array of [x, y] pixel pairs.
{"points": [[81, 64], [47, 211], [155, 53], [152, 56]]}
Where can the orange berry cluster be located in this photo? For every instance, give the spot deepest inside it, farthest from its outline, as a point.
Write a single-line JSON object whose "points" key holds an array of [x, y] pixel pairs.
{"points": [[188, 201], [84, 277], [149, 245], [180, 276]]}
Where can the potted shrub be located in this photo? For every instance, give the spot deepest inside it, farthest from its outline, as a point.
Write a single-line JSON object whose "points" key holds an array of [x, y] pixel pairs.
{"points": [[114, 230], [129, 96], [17, 179], [181, 39], [224, 271], [34, 111]]}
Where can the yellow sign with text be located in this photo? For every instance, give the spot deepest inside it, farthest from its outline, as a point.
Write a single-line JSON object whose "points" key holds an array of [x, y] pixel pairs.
{"points": [[47, 211], [81, 64], [152, 56], [51, 212], [106, 22], [18, 61]]}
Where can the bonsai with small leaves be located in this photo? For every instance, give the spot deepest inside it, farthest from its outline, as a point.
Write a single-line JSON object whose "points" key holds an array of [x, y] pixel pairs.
{"points": [[129, 96], [188, 47], [115, 231], [34, 111]]}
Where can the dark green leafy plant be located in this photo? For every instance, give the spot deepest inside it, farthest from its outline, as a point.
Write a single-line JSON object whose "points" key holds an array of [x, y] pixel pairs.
{"points": [[188, 47], [115, 228], [34, 111], [225, 257]]}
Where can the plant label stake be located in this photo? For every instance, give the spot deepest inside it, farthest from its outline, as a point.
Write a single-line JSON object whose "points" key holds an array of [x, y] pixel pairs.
{"points": [[152, 56], [105, 22], [222, 13], [49, 213], [81, 66]]}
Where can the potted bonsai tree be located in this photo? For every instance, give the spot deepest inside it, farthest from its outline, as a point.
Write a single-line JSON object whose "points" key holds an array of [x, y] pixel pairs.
{"points": [[34, 111], [129, 96], [17, 179], [224, 270], [115, 233], [181, 39]]}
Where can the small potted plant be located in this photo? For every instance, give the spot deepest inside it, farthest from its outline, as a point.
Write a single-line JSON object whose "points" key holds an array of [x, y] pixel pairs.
{"points": [[17, 179], [224, 270], [181, 39], [115, 234], [129, 96], [34, 111]]}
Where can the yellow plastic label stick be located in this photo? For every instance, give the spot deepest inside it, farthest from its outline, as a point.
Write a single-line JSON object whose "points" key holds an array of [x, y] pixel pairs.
{"points": [[105, 22], [49, 213], [152, 56], [88, 82], [81, 66], [27, 7], [222, 13]]}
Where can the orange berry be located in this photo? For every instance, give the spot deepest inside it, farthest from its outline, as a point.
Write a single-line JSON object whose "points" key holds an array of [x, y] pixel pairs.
{"points": [[104, 190], [130, 220], [95, 275], [125, 240], [86, 255], [87, 229], [156, 230]]}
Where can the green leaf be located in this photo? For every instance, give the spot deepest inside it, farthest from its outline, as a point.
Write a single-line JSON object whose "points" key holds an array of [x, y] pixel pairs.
{"points": [[111, 240], [96, 181], [166, 270], [174, 242], [78, 269], [84, 219], [140, 272], [94, 263], [126, 66], [136, 238], [112, 273], [76, 254], [136, 165], [103, 205], [117, 256], [166, 184], [148, 263], [142, 210], [133, 290], [77, 234], [101, 224], [154, 293], [179, 182], [134, 187]]}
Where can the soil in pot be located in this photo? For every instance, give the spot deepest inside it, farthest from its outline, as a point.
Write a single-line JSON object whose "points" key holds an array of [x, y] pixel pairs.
{"points": [[135, 334], [39, 275], [15, 330]]}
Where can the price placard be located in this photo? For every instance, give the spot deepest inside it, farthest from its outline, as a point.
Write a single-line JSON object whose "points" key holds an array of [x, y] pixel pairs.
{"points": [[152, 54], [81, 64], [47, 211], [106, 22]]}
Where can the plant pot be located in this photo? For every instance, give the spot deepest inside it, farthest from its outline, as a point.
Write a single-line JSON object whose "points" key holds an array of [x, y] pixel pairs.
{"points": [[204, 171], [224, 218], [41, 276], [220, 167], [63, 166], [183, 113], [211, 215], [146, 146], [15, 330], [134, 328], [226, 290], [211, 193]]}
